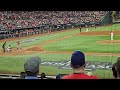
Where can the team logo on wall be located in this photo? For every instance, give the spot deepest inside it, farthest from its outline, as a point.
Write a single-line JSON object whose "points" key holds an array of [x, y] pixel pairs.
{"points": [[29, 40], [90, 65]]}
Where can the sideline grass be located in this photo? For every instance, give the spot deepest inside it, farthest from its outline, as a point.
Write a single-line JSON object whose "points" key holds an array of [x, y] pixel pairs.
{"points": [[15, 64]]}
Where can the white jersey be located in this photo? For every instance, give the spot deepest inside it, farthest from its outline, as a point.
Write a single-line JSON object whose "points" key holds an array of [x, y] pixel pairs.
{"points": [[9, 49], [111, 36], [86, 29]]}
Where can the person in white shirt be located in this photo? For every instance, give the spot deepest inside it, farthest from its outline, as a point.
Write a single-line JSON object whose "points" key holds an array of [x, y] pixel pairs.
{"points": [[111, 35], [86, 28], [9, 49]]}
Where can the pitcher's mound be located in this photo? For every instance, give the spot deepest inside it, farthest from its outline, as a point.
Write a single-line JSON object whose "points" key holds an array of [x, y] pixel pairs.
{"points": [[109, 42], [34, 49]]}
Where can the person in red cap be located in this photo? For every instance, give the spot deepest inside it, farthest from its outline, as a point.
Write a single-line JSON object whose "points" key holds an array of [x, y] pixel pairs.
{"points": [[78, 65]]}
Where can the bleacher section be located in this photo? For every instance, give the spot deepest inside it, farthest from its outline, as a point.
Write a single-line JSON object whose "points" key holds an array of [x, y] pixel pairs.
{"points": [[24, 23], [116, 16]]}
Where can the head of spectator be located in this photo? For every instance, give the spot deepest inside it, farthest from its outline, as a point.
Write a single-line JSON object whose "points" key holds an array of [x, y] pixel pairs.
{"points": [[78, 64], [31, 67], [116, 69], [43, 76], [58, 76], [22, 75]]}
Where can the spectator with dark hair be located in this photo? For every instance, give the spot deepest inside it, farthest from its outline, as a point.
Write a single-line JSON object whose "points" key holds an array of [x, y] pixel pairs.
{"points": [[43, 76], [78, 65], [32, 67], [116, 69], [58, 76], [23, 75]]}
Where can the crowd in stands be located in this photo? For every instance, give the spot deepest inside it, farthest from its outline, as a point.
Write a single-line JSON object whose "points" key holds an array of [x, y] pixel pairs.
{"points": [[23, 19], [117, 14]]}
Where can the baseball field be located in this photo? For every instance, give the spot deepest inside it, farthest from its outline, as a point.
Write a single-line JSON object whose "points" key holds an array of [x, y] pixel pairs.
{"points": [[56, 48]]}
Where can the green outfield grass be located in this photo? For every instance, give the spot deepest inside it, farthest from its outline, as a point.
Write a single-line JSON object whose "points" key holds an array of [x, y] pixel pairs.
{"points": [[85, 44], [14, 64]]}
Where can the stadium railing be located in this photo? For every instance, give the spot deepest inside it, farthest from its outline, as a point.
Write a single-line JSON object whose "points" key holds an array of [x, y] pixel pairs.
{"points": [[15, 76]]}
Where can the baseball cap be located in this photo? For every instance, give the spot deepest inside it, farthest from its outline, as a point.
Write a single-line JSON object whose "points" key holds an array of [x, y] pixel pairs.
{"points": [[78, 59], [32, 64]]}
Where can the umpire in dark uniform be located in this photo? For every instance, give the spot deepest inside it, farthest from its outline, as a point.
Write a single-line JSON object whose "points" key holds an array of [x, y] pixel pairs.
{"points": [[3, 46], [80, 28]]}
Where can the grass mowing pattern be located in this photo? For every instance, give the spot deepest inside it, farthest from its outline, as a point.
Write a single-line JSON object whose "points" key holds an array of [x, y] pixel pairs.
{"points": [[85, 44], [40, 39], [14, 64]]}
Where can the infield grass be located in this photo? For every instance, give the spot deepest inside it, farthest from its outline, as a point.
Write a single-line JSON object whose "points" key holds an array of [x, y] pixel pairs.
{"points": [[85, 44]]}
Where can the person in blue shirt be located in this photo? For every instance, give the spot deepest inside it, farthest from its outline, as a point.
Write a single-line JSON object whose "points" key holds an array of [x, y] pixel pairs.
{"points": [[31, 67]]}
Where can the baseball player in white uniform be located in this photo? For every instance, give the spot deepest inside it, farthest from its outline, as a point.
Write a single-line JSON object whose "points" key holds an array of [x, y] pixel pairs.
{"points": [[9, 49], [111, 35], [86, 28]]}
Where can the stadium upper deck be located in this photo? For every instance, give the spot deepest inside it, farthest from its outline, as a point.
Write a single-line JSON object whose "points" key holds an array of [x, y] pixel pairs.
{"points": [[23, 19]]}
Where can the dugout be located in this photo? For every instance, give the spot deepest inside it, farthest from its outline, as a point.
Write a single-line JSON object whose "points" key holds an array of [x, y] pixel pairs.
{"points": [[3, 34]]}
